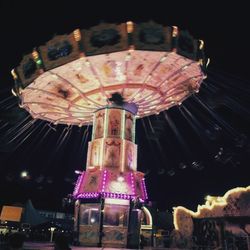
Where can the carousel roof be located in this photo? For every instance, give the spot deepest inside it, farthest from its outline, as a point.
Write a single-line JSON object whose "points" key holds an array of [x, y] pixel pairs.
{"points": [[153, 66]]}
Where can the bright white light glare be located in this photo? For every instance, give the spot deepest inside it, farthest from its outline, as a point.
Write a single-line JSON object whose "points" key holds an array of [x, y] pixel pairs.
{"points": [[24, 174], [92, 220], [78, 172], [120, 179]]}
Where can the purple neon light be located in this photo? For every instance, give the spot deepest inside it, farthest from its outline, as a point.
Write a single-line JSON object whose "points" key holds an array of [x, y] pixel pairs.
{"points": [[78, 184], [117, 196], [145, 195], [88, 195], [105, 195], [132, 178], [101, 193], [104, 180]]}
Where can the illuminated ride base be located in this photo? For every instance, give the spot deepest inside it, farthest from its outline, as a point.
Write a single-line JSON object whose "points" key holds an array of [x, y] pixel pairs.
{"points": [[111, 175], [69, 80]]}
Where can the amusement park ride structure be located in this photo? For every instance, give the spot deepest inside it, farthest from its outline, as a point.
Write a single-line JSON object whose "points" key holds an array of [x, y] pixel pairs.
{"points": [[109, 76]]}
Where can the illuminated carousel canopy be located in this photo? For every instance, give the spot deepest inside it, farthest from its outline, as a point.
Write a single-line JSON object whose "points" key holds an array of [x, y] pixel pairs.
{"points": [[71, 76]]}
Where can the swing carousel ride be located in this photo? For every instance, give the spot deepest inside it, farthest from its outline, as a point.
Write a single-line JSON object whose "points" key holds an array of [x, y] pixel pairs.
{"points": [[109, 76]]}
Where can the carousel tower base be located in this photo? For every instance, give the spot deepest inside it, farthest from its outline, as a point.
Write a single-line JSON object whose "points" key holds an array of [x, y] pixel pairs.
{"points": [[110, 193], [108, 223]]}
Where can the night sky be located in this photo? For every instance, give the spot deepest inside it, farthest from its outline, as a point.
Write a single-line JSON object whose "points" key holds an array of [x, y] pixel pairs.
{"points": [[27, 24]]}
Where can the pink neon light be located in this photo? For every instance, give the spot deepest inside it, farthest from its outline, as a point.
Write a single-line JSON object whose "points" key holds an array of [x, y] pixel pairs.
{"points": [[104, 178], [132, 178], [78, 193], [88, 195], [104, 195], [117, 196]]}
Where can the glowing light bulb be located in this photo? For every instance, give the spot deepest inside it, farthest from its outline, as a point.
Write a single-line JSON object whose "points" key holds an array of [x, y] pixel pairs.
{"points": [[24, 174], [13, 73], [35, 55], [13, 92], [77, 35], [78, 172], [175, 31], [163, 58], [130, 27], [201, 44]]}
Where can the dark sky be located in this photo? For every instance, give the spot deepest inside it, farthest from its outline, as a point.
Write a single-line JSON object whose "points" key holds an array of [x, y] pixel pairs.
{"points": [[223, 27]]}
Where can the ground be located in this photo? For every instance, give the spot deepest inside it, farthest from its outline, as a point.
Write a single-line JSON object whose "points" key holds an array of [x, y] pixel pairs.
{"points": [[50, 246]]}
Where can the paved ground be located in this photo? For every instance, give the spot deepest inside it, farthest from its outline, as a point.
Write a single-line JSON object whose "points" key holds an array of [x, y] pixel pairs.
{"points": [[50, 246]]}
